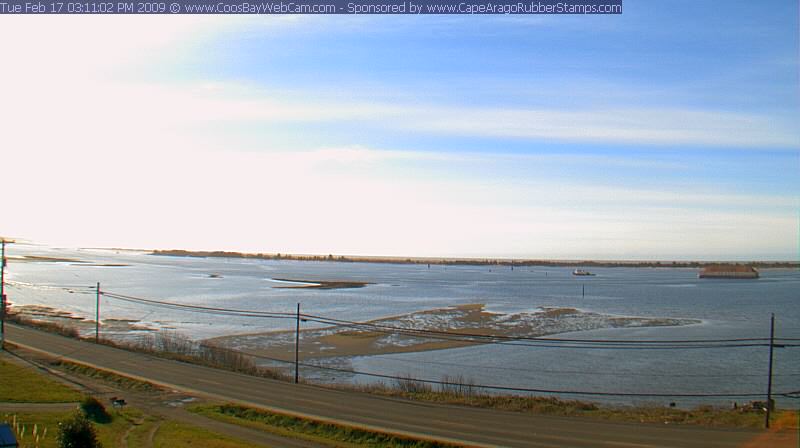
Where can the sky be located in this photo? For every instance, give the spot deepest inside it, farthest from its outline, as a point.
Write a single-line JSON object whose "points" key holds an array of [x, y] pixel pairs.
{"points": [[669, 132]]}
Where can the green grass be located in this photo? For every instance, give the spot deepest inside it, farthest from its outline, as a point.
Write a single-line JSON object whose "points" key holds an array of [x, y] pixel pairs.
{"points": [[173, 434], [25, 384], [308, 429]]}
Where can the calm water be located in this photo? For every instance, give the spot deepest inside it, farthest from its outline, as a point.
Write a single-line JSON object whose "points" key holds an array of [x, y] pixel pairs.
{"points": [[728, 309]]}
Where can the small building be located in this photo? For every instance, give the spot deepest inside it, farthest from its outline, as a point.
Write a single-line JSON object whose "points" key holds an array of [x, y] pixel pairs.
{"points": [[737, 271], [7, 437]]}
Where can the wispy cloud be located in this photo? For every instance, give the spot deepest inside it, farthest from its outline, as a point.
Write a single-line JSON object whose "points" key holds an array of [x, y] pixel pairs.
{"points": [[644, 125], [113, 104]]}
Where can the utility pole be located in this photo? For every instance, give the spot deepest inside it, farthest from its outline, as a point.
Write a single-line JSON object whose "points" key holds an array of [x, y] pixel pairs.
{"points": [[297, 348], [769, 380], [3, 296], [97, 315]]}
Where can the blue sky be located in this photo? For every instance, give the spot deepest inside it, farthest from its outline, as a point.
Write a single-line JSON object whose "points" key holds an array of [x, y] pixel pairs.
{"points": [[669, 132]]}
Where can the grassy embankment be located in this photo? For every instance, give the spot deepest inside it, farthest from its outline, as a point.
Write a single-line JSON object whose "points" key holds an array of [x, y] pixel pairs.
{"points": [[307, 429]]}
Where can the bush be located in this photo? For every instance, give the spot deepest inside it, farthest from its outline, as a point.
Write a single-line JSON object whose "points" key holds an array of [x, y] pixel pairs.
{"points": [[94, 410], [412, 385], [77, 432]]}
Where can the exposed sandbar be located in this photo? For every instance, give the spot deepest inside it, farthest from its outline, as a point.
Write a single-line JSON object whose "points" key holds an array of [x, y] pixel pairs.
{"points": [[455, 325], [41, 259], [105, 265], [320, 284]]}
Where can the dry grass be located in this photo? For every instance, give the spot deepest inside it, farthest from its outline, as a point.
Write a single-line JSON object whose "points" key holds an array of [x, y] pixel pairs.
{"points": [[179, 347], [458, 391], [170, 345], [50, 327]]}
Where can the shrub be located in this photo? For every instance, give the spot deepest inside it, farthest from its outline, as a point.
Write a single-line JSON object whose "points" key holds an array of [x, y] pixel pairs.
{"points": [[94, 410], [412, 385], [457, 386], [77, 432]]}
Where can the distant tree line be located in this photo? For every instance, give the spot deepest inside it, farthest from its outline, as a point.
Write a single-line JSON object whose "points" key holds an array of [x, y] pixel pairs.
{"points": [[470, 261]]}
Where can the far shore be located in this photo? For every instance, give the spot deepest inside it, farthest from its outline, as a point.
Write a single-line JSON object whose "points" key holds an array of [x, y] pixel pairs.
{"points": [[472, 261]]}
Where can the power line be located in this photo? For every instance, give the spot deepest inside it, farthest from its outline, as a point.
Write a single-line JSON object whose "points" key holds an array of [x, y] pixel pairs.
{"points": [[504, 388], [510, 388], [578, 372], [430, 334], [526, 342], [201, 309], [468, 337], [50, 287]]}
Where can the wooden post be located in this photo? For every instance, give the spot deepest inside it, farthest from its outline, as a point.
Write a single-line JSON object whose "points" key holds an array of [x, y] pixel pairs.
{"points": [[297, 347], [3, 296], [769, 379], [97, 315]]}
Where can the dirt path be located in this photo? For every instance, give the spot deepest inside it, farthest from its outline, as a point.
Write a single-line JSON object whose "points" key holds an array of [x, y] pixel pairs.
{"points": [[151, 435], [122, 440]]}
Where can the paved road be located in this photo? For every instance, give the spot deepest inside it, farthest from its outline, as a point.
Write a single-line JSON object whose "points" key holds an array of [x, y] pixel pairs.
{"points": [[466, 426]]}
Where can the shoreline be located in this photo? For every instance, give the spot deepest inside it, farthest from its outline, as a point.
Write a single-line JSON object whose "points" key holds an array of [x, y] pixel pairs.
{"points": [[461, 261]]}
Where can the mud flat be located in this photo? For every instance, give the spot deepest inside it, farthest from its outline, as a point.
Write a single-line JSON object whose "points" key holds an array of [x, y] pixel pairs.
{"points": [[41, 259], [104, 265], [318, 284], [48, 315], [454, 327], [72, 261]]}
